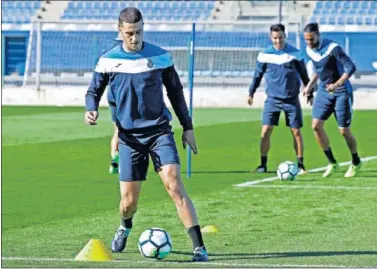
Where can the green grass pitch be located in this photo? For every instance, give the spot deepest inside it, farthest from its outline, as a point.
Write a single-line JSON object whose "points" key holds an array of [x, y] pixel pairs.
{"points": [[57, 194]]}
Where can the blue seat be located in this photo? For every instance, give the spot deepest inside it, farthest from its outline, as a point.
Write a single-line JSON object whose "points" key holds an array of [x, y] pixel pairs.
{"points": [[235, 74], [350, 20], [197, 73], [355, 4], [346, 4], [323, 20], [319, 4], [332, 20], [328, 4], [337, 4], [225, 74], [333, 11], [365, 4], [375, 21], [373, 4], [341, 20], [352, 11], [368, 21], [359, 20], [215, 73], [362, 11]]}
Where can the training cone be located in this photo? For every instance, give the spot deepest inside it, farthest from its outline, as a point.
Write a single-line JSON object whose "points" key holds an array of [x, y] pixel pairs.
{"points": [[210, 229], [94, 251]]}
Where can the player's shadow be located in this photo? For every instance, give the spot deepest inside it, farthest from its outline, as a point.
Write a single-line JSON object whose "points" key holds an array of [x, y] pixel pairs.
{"points": [[228, 172], [219, 172], [247, 256]]}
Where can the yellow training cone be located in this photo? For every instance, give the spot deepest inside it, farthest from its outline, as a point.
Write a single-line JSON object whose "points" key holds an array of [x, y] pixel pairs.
{"points": [[94, 251], [210, 229]]}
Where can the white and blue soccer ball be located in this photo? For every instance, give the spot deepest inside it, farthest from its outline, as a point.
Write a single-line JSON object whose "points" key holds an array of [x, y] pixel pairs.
{"points": [[287, 170], [155, 243]]}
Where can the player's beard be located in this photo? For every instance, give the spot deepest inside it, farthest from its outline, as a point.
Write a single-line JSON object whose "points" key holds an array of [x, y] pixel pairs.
{"points": [[136, 46]]}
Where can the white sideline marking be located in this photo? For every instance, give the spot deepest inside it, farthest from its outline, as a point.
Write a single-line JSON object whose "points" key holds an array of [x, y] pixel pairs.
{"points": [[313, 187], [205, 264], [254, 182]]}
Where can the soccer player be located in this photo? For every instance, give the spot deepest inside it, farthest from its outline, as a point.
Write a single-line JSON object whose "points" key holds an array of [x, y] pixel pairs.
{"points": [[283, 67], [334, 95], [136, 71]]}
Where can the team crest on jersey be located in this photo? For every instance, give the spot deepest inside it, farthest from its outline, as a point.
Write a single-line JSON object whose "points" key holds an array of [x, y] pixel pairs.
{"points": [[150, 63]]}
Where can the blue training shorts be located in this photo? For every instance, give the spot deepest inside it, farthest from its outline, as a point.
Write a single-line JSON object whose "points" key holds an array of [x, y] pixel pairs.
{"points": [[338, 103], [135, 149], [291, 108]]}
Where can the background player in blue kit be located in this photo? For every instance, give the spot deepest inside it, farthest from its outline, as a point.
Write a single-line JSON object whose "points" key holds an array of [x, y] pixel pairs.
{"points": [[136, 71], [333, 68], [283, 67]]}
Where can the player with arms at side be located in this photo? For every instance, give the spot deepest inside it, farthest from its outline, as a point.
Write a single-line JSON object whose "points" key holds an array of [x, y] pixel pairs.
{"points": [[283, 67], [333, 68], [136, 71]]}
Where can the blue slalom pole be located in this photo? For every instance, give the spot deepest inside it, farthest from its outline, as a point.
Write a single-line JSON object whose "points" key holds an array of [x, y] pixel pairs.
{"points": [[191, 89]]}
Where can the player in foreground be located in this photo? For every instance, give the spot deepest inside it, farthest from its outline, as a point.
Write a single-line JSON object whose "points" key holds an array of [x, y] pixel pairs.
{"points": [[283, 67], [333, 68], [136, 71]]}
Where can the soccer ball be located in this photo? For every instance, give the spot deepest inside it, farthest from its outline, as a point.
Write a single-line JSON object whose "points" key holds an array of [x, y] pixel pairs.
{"points": [[287, 170], [155, 243]]}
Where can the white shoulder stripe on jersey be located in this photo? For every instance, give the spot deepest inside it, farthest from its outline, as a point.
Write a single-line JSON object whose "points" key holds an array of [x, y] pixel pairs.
{"points": [[113, 65], [275, 58], [316, 56], [310, 68]]}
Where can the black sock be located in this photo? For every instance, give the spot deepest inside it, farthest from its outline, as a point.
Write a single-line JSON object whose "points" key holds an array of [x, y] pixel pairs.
{"points": [[196, 236], [300, 161], [127, 223], [355, 159], [263, 161], [330, 155]]}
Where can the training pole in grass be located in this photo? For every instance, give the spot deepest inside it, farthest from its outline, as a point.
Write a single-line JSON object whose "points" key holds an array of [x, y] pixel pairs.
{"points": [[191, 89]]}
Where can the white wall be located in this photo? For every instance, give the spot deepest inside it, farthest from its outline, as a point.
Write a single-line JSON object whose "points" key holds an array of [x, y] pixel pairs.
{"points": [[203, 97]]}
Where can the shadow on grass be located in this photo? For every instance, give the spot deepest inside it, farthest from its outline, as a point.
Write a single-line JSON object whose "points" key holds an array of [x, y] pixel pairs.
{"points": [[215, 256], [227, 172], [246, 256]]}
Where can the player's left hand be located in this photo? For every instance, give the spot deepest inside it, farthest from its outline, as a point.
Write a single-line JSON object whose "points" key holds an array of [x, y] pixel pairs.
{"points": [[331, 88], [250, 100], [188, 137]]}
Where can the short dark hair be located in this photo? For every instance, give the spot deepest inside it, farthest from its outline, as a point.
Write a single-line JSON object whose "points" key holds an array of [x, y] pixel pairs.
{"points": [[311, 28], [129, 15], [277, 28]]}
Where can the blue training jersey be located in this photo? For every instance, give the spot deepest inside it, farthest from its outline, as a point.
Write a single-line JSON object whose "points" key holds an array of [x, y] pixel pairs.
{"points": [[330, 62], [136, 82], [282, 69]]}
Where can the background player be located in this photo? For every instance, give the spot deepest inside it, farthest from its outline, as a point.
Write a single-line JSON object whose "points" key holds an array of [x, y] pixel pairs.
{"points": [[333, 68], [283, 66]]}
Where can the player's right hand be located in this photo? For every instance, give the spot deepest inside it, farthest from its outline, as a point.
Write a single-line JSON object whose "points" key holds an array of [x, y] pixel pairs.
{"points": [[308, 92], [250, 100], [188, 138], [91, 117]]}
